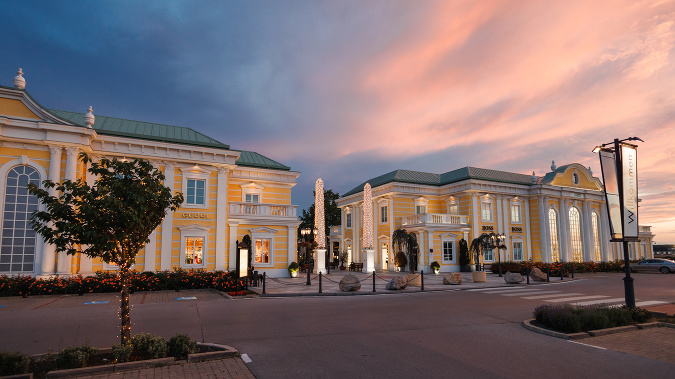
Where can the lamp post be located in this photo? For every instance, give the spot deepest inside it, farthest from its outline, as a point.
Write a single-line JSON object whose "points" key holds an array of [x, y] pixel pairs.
{"points": [[496, 241], [618, 162], [306, 232]]}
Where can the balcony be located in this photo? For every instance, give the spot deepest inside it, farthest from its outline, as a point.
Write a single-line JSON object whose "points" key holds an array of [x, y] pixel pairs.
{"points": [[260, 210], [434, 219], [335, 231]]}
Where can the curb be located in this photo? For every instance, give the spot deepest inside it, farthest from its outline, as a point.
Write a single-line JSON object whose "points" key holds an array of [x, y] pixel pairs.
{"points": [[527, 324]]}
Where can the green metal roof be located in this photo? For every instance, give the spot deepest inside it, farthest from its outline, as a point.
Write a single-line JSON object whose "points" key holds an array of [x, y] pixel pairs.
{"points": [[253, 159], [143, 130], [464, 173], [548, 178]]}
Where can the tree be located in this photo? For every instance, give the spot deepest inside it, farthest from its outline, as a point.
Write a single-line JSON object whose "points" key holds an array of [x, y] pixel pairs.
{"points": [[331, 212], [111, 220], [407, 242], [483, 243]]}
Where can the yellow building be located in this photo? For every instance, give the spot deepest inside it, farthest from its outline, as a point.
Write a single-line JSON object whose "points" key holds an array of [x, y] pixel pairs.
{"points": [[560, 216], [228, 193]]}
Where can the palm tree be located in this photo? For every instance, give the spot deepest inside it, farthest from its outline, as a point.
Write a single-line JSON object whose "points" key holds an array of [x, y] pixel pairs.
{"points": [[407, 242]]}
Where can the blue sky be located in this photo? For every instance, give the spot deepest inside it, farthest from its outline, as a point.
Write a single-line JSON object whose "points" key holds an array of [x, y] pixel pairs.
{"points": [[349, 90]]}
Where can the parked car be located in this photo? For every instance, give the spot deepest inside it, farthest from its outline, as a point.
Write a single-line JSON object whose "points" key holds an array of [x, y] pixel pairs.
{"points": [[663, 265]]}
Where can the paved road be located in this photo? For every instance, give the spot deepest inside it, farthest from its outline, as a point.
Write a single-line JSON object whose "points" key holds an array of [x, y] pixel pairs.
{"points": [[431, 334]]}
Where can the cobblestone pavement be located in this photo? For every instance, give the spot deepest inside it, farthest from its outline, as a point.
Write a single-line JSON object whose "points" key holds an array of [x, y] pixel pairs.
{"points": [[655, 343], [229, 368]]}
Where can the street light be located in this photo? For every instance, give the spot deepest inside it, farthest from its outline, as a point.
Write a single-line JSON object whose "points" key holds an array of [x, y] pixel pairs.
{"points": [[618, 162], [496, 241], [306, 232]]}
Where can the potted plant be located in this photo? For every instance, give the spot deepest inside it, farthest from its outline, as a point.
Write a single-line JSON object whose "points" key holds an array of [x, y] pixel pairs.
{"points": [[435, 267], [343, 256], [293, 269], [464, 256], [400, 261]]}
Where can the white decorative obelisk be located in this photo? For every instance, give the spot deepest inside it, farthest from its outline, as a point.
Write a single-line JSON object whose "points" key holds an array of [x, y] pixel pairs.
{"points": [[320, 225], [368, 240]]}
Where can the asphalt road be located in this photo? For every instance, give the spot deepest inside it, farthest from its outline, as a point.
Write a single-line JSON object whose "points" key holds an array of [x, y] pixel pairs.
{"points": [[468, 334]]}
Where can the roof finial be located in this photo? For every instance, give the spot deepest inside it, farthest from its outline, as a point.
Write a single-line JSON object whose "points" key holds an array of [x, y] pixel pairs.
{"points": [[89, 118], [19, 81], [590, 171], [534, 178], [553, 167]]}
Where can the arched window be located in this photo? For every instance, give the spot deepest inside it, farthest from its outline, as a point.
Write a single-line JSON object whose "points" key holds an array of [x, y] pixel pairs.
{"points": [[575, 235], [553, 226], [596, 236], [17, 249]]}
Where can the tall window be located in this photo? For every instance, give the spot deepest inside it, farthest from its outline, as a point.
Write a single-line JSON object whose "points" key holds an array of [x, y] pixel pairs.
{"points": [[448, 251], [517, 251], [17, 251], [195, 192], [596, 236], [453, 209], [515, 213], [419, 209], [348, 222], [383, 214], [486, 211], [575, 234], [194, 250], [262, 250], [553, 227]]}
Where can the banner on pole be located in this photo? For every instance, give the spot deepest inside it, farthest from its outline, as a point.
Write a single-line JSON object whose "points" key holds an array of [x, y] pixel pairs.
{"points": [[630, 191], [612, 196]]}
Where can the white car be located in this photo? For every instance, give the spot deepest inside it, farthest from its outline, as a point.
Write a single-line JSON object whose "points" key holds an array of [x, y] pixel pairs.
{"points": [[663, 265]]}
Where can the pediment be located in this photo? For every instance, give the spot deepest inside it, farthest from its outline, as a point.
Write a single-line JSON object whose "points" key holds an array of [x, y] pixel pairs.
{"points": [[19, 105]]}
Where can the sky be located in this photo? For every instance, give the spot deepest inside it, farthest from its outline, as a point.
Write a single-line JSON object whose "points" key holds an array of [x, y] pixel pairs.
{"points": [[347, 90]]}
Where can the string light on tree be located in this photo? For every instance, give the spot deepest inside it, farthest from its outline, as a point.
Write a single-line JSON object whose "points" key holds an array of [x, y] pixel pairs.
{"points": [[367, 217], [319, 217]]}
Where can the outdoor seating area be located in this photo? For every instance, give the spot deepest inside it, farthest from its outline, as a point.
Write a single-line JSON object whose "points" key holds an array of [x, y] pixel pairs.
{"points": [[356, 267]]}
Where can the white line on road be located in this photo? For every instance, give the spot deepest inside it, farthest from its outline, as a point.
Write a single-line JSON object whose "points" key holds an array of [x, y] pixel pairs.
{"points": [[654, 302], [510, 290], [245, 358], [545, 296], [574, 298], [579, 343], [601, 301], [529, 293]]}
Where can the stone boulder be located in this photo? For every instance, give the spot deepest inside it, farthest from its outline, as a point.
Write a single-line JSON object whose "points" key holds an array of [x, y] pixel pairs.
{"points": [[453, 278], [397, 283], [513, 277], [350, 283], [537, 275]]}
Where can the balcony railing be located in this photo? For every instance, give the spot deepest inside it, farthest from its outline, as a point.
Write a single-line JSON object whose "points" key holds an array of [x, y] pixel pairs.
{"points": [[434, 218], [335, 230], [645, 229], [259, 209]]}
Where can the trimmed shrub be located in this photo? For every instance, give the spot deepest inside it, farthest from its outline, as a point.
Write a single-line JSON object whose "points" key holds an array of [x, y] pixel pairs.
{"points": [[569, 319], [13, 363], [639, 315], [75, 357], [181, 345], [121, 353], [147, 346]]}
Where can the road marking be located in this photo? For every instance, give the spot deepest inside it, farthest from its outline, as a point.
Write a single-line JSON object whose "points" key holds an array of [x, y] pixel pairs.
{"points": [[644, 303], [574, 298], [96, 302], [481, 289], [552, 295], [510, 290], [187, 298], [529, 293], [2, 306], [601, 301], [579, 343], [245, 358]]}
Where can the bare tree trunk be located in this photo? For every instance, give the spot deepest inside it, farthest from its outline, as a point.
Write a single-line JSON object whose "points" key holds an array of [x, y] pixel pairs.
{"points": [[125, 315]]}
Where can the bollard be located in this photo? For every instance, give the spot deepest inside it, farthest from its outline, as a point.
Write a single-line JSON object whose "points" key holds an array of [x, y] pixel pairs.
{"points": [[562, 271], [572, 270], [255, 278], [548, 273], [422, 280], [320, 284], [527, 270], [374, 281], [264, 277]]}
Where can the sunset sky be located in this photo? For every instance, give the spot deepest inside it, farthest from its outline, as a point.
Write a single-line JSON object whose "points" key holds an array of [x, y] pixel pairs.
{"points": [[349, 90]]}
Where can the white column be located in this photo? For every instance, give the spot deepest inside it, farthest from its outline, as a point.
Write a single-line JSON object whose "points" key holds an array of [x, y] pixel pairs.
{"points": [[390, 209], [474, 216], [65, 260], [343, 231], [85, 261], [320, 261], [292, 243], [500, 225], [588, 233], [232, 260], [507, 230], [527, 255], [221, 219], [546, 253], [49, 251], [604, 233], [370, 260], [430, 243], [167, 223], [564, 231]]}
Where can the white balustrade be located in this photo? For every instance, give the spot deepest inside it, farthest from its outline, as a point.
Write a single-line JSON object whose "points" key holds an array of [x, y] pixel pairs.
{"points": [[260, 209], [434, 218]]}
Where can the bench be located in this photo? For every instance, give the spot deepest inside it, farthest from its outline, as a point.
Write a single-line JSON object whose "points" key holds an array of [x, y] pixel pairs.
{"points": [[356, 267], [303, 267]]}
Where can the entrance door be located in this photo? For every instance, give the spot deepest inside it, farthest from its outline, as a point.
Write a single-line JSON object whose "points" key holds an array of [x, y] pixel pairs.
{"points": [[385, 256]]}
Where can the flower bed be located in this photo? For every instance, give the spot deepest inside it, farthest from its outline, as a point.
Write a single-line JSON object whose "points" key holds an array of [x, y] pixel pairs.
{"points": [[106, 281], [579, 267], [567, 318]]}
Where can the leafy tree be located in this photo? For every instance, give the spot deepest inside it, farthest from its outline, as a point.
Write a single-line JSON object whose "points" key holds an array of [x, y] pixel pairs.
{"points": [[483, 243], [111, 220], [464, 257], [407, 242], [331, 212]]}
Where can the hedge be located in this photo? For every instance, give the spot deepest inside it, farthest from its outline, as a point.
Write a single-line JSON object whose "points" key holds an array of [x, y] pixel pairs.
{"points": [[579, 267], [106, 281]]}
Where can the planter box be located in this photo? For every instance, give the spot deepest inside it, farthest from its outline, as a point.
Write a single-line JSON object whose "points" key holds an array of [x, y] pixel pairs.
{"points": [[414, 280], [479, 277]]}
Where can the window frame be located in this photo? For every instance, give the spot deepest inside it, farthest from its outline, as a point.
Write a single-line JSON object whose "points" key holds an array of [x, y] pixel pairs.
{"points": [[513, 246], [193, 231], [484, 210], [194, 175], [262, 233], [384, 214], [518, 212]]}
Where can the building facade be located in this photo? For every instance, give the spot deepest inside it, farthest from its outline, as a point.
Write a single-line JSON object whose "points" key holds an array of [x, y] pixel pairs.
{"points": [[560, 216], [228, 193]]}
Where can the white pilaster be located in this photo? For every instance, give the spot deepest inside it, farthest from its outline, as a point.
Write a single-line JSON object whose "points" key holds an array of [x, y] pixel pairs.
{"points": [[48, 262], [390, 209], [474, 215], [167, 223], [320, 261], [587, 228], [528, 254], [86, 264], [221, 219], [370, 260], [232, 261], [564, 231], [430, 243], [292, 244], [507, 231], [65, 261], [421, 264]]}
